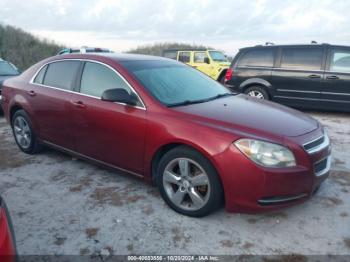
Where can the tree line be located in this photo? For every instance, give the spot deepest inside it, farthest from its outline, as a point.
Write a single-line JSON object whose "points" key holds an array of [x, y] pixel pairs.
{"points": [[22, 48]]}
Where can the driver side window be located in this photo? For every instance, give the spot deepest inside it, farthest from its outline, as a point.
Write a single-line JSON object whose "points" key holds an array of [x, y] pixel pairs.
{"points": [[97, 78]]}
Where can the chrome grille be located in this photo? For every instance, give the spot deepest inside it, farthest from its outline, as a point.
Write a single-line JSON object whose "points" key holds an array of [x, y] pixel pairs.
{"points": [[317, 144]]}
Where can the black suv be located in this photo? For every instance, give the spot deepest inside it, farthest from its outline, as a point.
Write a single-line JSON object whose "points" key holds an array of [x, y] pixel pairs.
{"points": [[307, 76]]}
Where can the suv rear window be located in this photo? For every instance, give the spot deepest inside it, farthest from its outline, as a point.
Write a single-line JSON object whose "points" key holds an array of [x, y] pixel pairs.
{"points": [[302, 58], [261, 58], [61, 74]]}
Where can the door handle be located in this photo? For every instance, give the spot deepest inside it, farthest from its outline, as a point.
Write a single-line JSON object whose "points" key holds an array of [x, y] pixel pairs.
{"points": [[332, 77], [31, 93], [314, 76], [78, 104]]}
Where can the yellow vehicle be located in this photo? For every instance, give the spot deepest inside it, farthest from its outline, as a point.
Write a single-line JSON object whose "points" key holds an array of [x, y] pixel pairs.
{"points": [[214, 63]]}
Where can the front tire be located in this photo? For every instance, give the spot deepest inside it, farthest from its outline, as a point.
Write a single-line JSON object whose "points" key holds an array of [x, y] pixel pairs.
{"points": [[189, 183], [257, 92], [24, 134]]}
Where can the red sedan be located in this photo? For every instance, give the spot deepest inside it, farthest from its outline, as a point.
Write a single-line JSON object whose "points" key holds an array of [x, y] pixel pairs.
{"points": [[158, 119], [7, 240]]}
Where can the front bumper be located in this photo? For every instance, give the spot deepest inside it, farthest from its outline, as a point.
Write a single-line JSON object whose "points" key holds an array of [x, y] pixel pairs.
{"points": [[250, 188]]}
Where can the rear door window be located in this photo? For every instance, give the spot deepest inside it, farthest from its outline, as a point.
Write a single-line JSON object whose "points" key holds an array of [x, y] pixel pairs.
{"points": [[340, 61], [302, 58], [258, 57], [62, 74], [185, 57]]}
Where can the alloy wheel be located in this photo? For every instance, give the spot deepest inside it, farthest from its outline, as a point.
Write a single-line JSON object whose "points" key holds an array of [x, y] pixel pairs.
{"points": [[256, 94], [23, 133], [186, 184]]}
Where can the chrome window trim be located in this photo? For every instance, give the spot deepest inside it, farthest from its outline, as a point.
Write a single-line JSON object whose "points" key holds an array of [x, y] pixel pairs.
{"points": [[320, 147], [143, 107], [327, 168], [320, 71]]}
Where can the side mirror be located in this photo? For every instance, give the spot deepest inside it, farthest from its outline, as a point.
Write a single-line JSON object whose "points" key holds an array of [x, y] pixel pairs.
{"points": [[206, 60], [119, 95]]}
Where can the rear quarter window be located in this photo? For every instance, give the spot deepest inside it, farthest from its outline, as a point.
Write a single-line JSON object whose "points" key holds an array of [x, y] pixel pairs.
{"points": [[39, 79], [258, 58]]}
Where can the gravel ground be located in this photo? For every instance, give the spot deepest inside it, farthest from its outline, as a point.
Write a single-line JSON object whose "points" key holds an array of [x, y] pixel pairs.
{"points": [[60, 205]]}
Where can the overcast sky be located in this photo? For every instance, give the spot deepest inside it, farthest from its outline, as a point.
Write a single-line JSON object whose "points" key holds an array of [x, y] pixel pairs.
{"points": [[227, 25]]}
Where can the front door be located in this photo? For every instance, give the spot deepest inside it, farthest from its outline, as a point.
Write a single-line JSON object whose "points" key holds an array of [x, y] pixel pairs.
{"points": [[110, 132]]}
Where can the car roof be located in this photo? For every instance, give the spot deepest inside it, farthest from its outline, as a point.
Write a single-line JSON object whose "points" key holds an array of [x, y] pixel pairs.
{"points": [[293, 45], [114, 56]]}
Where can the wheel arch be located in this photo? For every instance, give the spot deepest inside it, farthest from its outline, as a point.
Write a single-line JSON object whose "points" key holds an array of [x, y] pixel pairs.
{"points": [[161, 151], [256, 82], [13, 110], [222, 74]]}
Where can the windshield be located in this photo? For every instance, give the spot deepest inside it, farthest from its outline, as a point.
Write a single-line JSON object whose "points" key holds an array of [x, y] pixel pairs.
{"points": [[6, 69], [218, 56], [173, 83]]}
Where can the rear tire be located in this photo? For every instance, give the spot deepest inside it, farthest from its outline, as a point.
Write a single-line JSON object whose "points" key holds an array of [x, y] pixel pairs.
{"points": [[257, 92], [189, 183], [24, 134]]}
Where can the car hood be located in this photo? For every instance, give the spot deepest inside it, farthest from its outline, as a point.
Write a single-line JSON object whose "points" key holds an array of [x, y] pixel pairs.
{"points": [[241, 113]]}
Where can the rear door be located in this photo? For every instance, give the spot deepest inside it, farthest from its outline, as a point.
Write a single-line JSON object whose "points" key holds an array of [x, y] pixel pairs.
{"points": [[113, 133], [336, 91], [299, 74], [50, 96]]}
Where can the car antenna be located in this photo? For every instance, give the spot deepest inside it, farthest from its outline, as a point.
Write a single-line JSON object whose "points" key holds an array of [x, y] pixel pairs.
{"points": [[269, 43], [313, 42]]}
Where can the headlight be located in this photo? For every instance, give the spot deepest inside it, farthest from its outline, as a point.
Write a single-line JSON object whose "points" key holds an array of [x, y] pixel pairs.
{"points": [[265, 153]]}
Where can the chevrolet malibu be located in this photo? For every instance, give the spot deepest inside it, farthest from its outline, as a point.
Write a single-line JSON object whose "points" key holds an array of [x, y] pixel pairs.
{"points": [[155, 118]]}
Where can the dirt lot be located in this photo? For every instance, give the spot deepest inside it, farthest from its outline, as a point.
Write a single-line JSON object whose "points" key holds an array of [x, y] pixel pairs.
{"points": [[63, 206]]}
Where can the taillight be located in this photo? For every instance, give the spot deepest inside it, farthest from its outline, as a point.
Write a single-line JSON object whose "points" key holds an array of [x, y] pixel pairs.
{"points": [[229, 74]]}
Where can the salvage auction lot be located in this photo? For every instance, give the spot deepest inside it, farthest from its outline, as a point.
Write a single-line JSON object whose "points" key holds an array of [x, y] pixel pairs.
{"points": [[60, 205]]}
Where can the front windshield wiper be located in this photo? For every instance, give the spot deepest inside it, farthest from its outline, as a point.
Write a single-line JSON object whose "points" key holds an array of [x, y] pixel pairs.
{"points": [[188, 102], [191, 102]]}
